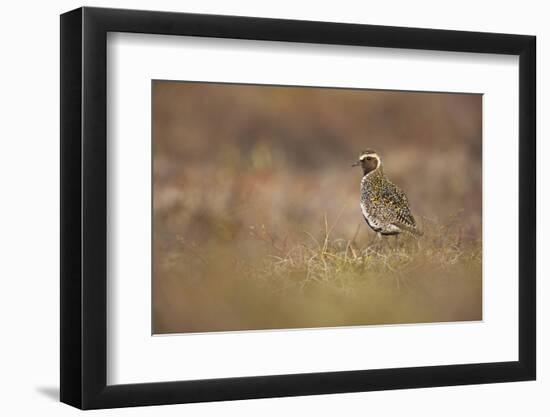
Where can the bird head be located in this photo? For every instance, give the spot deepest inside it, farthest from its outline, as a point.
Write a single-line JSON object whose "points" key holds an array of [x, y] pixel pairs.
{"points": [[369, 161]]}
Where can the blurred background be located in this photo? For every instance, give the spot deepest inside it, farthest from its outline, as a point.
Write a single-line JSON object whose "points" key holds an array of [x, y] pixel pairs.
{"points": [[253, 190]]}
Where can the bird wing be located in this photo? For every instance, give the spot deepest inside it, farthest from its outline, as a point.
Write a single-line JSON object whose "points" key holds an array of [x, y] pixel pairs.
{"points": [[395, 198]]}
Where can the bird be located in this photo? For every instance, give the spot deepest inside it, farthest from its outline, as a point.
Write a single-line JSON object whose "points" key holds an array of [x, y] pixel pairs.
{"points": [[384, 205]]}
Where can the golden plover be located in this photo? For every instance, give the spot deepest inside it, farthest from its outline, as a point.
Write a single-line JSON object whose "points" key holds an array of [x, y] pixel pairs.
{"points": [[384, 205]]}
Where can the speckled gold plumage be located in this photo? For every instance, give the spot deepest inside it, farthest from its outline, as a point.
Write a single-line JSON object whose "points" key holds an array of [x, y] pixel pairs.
{"points": [[385, 206]]}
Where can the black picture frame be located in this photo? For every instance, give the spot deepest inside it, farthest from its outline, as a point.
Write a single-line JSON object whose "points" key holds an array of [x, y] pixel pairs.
{"points": [[84, 207]]}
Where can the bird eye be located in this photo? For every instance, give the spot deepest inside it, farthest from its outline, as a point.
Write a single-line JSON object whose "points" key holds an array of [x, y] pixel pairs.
{"points": [[368, 158]]}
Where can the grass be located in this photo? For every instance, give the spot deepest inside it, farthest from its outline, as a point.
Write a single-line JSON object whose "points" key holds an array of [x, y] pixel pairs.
{"points": [[324, 281], [243, 177]]}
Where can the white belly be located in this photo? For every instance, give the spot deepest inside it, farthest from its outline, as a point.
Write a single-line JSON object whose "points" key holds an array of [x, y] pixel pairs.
{"points": [[377, 226], [372, 223]]}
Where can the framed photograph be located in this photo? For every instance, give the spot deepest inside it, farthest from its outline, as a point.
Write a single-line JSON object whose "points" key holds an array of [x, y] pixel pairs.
{"points": [[258, 208]]}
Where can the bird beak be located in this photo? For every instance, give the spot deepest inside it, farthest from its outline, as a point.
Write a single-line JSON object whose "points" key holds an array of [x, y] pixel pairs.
{"points": [[355, 164]]}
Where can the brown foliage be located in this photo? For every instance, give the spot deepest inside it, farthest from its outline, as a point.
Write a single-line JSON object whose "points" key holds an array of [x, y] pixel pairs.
{"points": [[246, 176]]}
